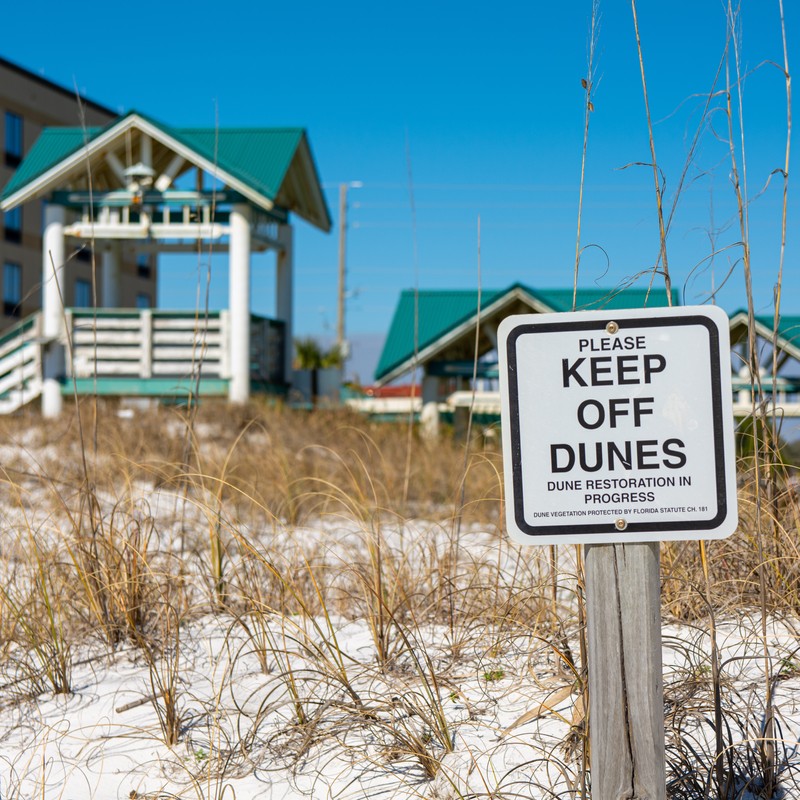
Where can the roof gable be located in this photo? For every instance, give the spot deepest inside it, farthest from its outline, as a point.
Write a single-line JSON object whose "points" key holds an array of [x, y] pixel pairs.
{"points": [[52, 146], [788, 330], [259, 156], [436, 312], [270, 166], [438, 315]]}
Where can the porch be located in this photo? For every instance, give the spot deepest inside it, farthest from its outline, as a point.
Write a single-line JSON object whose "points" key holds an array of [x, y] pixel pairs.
{"points": [[140, 353]]}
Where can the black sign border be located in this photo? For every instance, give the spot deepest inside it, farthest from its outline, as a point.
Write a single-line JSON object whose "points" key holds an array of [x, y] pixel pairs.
{"points": [[599, 326]]}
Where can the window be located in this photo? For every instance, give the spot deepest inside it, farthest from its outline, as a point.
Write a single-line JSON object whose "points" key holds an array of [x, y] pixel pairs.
{"points": [[143, 265], [12, 225], [12, 289], [83, 293], [142, 300], [13, 139]]}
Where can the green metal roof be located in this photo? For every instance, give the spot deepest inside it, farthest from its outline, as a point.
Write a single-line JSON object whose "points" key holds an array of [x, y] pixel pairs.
{"points": [[788, 326], [52, 146], [597, 299], [439, 311], [258, 157]]}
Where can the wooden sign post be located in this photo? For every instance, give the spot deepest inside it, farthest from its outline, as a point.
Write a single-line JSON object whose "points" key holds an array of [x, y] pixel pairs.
{"points": [[617, 434], [626, 690]]}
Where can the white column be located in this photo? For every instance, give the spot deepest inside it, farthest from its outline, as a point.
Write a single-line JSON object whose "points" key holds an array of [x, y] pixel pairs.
{"points": [[111, 268], [239, 303], [53, 257], [147, 150], [146, 357], [429, 417], [284, 291]]}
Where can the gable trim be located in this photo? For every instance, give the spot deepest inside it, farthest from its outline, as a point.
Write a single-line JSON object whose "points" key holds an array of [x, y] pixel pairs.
{"points": [[445, 340], [48, 179], [740, 318]]}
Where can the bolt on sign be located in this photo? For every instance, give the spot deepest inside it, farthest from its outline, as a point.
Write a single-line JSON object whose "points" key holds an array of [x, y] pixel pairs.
{"points": [[618, 425]]}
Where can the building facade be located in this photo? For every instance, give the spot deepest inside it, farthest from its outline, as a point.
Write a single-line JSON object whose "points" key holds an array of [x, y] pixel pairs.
{"points": [[29, 103]]}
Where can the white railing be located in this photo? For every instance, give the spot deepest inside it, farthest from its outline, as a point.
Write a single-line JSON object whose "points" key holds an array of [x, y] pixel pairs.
{"points": [[147, 344], [20, 364], [142, 345]]}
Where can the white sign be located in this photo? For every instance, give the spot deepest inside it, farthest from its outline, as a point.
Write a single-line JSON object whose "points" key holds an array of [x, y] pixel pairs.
{"points": [[618, 425]]}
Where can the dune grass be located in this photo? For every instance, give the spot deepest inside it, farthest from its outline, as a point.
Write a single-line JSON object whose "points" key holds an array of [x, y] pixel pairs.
{"points": [[283, 529]]}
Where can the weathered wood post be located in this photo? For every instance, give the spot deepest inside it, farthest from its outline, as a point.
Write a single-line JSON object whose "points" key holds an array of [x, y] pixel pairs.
{"points": [[626, 694]]}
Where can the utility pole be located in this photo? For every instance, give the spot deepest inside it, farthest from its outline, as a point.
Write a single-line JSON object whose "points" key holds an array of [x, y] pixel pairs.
{"points": [[342, 265], [341, 341]]}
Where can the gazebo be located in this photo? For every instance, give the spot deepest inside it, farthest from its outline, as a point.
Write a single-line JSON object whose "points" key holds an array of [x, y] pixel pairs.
{"points": [[127, 182]]}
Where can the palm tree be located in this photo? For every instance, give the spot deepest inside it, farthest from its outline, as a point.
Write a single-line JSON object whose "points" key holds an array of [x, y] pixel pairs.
{"points": [[308, 354]]}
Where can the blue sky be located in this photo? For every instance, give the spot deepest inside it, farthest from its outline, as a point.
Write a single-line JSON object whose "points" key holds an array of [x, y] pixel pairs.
{"points": [[483, 106]]}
